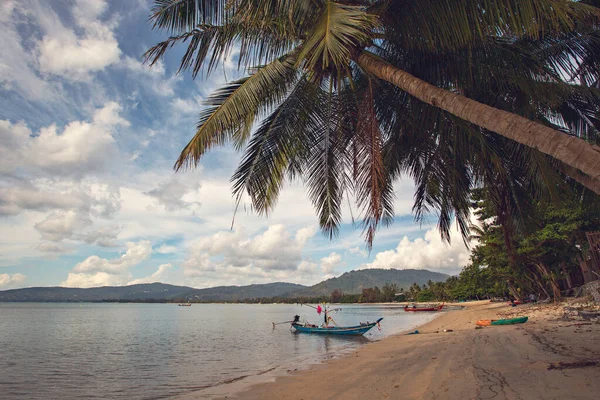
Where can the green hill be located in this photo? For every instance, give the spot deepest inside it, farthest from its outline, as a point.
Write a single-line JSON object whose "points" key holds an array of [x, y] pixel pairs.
{"points": [[350, 282], [355, 281]]}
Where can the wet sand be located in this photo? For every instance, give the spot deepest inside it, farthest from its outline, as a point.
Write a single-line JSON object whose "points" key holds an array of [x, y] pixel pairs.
{"points": [[545, 358]]}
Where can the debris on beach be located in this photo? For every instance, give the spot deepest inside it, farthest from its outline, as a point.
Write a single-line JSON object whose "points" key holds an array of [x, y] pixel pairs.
{"points": [[577, 364]]}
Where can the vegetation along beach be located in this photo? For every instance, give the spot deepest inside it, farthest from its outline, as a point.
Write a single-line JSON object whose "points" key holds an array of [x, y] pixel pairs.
{"points": [[300, 199]]}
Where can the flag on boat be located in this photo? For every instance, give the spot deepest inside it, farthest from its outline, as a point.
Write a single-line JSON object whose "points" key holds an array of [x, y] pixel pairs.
{"points": [[319, 309]]}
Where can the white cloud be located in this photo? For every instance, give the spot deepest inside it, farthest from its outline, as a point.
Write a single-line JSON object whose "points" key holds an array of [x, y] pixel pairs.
{"points": [[175, 195], [51, 247], [154, 77], [104, 237], [228, 257], [187, 106], [62, 225], [16, 64], [80, 148], [136, 253], [63, 52], [11, 280], [429, 252], [97, 271], [155, 277], [165, 249], [358, 251], [330, 263], [94, 280]]}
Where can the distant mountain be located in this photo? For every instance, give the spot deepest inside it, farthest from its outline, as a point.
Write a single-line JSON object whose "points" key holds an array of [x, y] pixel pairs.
{"points": [[233, 293], [350, 282], [150, 291], [355, 281]]}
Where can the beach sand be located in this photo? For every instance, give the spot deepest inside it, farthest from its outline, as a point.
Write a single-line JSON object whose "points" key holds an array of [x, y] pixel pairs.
{"points": [[497, 362]]}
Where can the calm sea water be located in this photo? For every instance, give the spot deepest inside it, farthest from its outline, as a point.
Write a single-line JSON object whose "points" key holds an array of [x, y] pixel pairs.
{"points": [[155, 351]]}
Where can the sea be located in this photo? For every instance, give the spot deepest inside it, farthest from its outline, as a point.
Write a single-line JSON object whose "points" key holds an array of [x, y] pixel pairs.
{"points": [[159, 351]]}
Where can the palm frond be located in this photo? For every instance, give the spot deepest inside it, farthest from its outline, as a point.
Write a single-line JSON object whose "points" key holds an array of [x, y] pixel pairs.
{"points": [[374, 189], [232, 109], [453, 24], [278, 147], [338, 30], [326, 173], [179, 16]]}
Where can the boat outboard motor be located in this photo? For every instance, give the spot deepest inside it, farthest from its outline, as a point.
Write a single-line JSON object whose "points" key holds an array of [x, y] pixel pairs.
{"points": [[296, 319]]}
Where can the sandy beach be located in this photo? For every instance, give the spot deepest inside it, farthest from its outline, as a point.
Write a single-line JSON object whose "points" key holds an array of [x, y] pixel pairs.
{"points": [[546, 358]]}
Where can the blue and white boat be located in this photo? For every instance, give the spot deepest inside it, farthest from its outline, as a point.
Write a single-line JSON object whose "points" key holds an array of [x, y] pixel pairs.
{"points": [[335, 330]]}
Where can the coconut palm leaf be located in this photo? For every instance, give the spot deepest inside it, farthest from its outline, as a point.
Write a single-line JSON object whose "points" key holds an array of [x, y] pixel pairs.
{"points": [[373, 186], [328, 46], [232, 109], [179, 16], [326, 170], [278, 147], [449, 25]]}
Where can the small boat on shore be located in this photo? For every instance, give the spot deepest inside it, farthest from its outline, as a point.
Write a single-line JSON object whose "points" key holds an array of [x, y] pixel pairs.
{"points": [[335, 330], [185, 304], [510, 321], [330, 327], [415, 308]]}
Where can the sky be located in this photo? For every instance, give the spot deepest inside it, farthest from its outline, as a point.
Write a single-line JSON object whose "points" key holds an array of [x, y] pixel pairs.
{"points": [[88, 195]]}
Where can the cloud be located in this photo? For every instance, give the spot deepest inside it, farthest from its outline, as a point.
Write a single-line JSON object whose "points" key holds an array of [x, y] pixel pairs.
{"points": [[165, 249], [63, 52], [97, 271], [154, 77], [11, 280], [429, 252], [330, 263], [51, 247], [62, 225], [187, 106], [358, 251], [155, 277], [16, 64], [80, 148], [104, 237], [228, 256], [175, 195]]}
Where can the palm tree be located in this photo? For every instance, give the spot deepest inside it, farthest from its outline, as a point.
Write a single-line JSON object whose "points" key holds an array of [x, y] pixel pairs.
{"points": [[351, 94]]}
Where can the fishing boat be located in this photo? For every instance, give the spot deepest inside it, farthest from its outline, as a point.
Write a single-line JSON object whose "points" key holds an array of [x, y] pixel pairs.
{"points": [[510, 321], [330, 327], [185, 304], [415, 308], [335, 330]]}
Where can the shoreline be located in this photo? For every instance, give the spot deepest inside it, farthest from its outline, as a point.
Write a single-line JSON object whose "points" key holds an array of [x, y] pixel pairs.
{"points": [[547, 357], [239, 386]]}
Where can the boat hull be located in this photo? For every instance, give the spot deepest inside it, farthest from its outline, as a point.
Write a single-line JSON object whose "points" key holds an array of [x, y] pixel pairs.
{"points": [[335, 330], [408, 309]]}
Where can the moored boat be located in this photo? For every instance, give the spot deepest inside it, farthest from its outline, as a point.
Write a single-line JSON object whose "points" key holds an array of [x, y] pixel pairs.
{"points": [[415, 308], [509, 321], [335, 330], [185, 304]]}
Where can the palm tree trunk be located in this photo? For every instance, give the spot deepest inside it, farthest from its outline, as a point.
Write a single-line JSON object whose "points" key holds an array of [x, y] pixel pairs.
{"points": [[571, 150]]}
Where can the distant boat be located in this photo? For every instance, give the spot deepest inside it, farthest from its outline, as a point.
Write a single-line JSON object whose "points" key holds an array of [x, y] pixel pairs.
{"points": [[415, 308], [185, 304], [335, 330]]}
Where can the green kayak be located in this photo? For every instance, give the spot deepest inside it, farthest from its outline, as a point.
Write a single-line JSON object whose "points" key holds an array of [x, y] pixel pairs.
{"points": [[511, 321]]}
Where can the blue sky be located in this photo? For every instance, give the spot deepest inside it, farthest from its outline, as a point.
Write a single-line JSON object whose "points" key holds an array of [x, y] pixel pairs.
{"points": [[88, 197]]}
